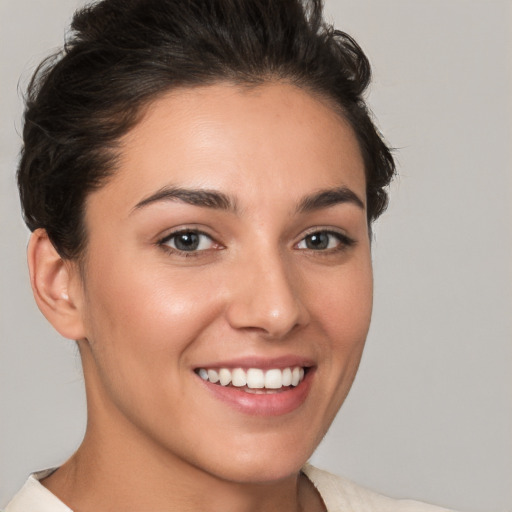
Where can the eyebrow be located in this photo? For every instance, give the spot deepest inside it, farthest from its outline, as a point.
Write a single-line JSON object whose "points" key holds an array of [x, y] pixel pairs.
{"points": [[196, 197], [220, 201], [329, 197]]}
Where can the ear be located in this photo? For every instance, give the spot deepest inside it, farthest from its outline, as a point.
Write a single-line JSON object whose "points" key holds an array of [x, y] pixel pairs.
{"points": [[56, 285]]}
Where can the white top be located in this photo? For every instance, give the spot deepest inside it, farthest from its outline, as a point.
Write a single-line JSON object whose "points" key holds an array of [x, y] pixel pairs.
{"points": [[342, 495], [35, 497], [338, 494]]}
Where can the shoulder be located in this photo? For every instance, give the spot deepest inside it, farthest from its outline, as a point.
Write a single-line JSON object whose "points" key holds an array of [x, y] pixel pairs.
{"points": [[34, 497], [340, 495]]}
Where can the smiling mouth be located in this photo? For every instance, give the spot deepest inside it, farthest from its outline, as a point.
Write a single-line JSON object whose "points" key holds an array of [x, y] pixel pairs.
{"points": [[255, 380]]}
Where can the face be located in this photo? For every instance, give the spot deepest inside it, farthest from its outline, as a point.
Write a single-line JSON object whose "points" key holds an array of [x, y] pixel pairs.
{"points": [[231, 244]]}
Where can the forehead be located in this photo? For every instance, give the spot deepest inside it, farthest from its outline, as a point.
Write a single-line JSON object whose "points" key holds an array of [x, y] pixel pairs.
{"points": [[274, 138]]}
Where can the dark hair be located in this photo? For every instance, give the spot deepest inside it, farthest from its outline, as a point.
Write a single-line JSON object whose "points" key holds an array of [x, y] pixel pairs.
{"points": [[123, 54]]}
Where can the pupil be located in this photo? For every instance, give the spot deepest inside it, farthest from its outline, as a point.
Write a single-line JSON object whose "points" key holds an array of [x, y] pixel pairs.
{"points": [[187, 241], [317, 241]]}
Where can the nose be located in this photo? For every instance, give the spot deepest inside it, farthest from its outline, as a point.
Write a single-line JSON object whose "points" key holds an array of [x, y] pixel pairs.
{"points": [[266, 298]]}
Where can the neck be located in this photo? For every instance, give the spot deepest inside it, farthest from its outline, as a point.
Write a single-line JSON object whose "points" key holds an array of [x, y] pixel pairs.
{"points": [[110, 480]]}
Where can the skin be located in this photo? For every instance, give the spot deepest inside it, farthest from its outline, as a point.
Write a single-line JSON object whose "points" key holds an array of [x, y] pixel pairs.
{"points": [[146, 316]]}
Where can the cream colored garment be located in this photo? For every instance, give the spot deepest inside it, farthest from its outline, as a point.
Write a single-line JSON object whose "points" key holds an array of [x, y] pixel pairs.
{"points": [[34, 497], [339, 495]]}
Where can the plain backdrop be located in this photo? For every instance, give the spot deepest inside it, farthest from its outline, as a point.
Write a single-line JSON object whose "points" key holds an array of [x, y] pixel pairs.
{"points": [[430, 414]]}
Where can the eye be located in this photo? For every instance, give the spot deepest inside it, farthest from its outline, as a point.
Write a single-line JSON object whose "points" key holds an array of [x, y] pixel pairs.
{"points": [[188, 241], [324, 241]]}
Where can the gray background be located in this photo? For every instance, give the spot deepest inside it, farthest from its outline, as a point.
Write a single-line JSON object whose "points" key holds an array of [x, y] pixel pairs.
{"points": [[430, 414]]}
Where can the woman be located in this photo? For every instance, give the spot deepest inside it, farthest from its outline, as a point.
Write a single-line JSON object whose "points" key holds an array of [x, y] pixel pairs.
{"points": [[200, 179]]}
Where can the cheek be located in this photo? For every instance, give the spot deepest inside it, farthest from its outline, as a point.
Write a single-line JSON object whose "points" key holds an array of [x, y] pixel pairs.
{"points": [[343, 312], [141, 329], [145, 318], [344, 305]]}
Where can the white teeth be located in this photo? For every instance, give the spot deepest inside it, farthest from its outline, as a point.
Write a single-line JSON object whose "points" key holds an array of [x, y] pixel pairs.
{"points": [[224, 376], [254, 378], [238, 378], [295, 376], [273, 379], [213, 376], [287, 377]]}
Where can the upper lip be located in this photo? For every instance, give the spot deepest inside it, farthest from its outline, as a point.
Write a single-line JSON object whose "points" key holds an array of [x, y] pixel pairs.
{"points": [[265, 363]]}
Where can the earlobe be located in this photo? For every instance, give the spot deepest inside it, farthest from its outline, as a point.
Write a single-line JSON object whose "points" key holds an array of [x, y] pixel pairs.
{"points": [[55, 284]]}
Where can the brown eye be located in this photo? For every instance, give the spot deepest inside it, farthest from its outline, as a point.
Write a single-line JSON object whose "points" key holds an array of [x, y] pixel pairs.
{"points": [[318, 241], [324, 241], [189, 241]]}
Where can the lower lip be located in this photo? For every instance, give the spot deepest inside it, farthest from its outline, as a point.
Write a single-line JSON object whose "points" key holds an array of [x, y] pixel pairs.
{"points": [[265, 404]]}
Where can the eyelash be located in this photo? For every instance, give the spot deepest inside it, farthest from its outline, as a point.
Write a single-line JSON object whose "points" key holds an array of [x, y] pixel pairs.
{"points": [[344, 242], [164, 243]]}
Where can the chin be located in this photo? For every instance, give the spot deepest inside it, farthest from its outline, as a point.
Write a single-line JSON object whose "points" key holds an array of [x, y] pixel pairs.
{"points": [[260, 472], [263, 463]]}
